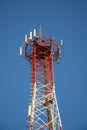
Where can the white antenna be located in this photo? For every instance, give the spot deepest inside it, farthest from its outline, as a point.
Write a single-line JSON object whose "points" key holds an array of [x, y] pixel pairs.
{"points": [[29, 110], [26, 38], [34, 32], [20, 51], [30, 35], [61, 43], [40, 31]]}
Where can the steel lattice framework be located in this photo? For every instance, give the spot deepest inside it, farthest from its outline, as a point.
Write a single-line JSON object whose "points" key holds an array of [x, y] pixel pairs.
{"points": [[43, 112]]}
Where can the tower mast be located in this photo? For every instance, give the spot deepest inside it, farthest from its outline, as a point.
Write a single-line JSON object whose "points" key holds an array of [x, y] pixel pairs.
{"points": [[41, 51]]}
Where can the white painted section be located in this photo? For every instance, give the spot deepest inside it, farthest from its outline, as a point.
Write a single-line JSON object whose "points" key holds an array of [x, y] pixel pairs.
{"points": [[30, 35], [34, 32], [20, 50], [59, 118], [33, 103], [26, 38]]}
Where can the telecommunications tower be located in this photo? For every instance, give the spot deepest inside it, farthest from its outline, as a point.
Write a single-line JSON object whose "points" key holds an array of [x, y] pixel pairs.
{"points": [[41, 51]]}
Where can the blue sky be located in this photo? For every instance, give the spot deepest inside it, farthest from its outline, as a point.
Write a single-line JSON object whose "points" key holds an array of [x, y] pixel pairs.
{"points": [[62, 19]]}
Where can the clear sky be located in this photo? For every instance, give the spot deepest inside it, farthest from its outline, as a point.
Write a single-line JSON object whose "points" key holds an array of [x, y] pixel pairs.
{"points": [[62, 19]]}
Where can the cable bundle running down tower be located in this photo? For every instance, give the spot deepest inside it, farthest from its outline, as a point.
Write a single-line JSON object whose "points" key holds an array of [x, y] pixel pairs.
{"points": [[41, 51]]}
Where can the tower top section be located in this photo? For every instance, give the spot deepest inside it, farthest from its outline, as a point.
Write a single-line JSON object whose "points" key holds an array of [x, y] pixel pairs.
{"points": [[41, 51], [43, 45]]}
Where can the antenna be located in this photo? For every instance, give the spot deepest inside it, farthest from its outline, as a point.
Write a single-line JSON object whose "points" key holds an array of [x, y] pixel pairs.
{"points": [[40, 31], [61, 42], [35, 32], [20, 51], [26, 38], [30, 35]]}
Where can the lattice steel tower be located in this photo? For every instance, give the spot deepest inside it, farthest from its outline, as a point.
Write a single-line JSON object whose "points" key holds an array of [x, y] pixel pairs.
{"points": [[41, 51]]}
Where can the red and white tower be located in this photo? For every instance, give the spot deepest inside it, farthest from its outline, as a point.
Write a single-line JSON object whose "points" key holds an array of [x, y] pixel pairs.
{"points": [[41, 51]]}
